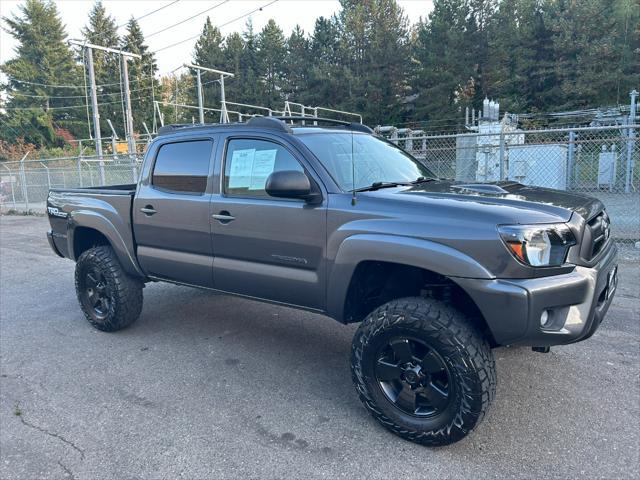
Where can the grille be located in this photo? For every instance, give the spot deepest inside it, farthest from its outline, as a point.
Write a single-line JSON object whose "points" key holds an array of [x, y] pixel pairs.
{"points": [[596, 234]]}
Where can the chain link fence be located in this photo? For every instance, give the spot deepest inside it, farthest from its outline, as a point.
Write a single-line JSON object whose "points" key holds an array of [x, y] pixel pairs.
{"points": [[596, 161], [24, 185]]}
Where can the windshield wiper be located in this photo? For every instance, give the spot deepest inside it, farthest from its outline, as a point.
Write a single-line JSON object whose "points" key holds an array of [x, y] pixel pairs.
{"points": [[377, 185]]}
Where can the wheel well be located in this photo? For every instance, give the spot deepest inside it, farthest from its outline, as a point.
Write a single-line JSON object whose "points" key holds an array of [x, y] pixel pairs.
{"points": [[376, 283], [85, 238]]}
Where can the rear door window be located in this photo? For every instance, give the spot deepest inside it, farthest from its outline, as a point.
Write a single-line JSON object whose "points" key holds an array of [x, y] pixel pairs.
{"points": [[183, 167]]}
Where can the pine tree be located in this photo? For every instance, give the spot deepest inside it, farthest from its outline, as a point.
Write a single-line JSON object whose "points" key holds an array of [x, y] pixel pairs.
{"points": [[102, 30], [324, 67], [627, 43], [443, 70], [590, 63], [374, 48], [141, 74], [233, 49], [209, 53], [296, 65], [36, 109], [251, 89], [272, 50]]}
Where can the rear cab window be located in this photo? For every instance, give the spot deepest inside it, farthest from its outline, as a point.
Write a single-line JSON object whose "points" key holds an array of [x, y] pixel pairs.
{"points": [[183, 167]]}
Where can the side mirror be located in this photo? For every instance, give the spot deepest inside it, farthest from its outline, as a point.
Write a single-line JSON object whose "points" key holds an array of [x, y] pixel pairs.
{"points": [[290, 184]]}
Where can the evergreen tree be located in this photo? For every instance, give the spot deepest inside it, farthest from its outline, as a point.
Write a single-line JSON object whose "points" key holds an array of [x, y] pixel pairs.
{"points": [[444, 65], [589, 61], [102, 30], [141, 74], [374, 47], [627, 43], [272, 50], [324, 66], [252, 90], [233, 51], [36, 108], [208, 53], [296, 65]]}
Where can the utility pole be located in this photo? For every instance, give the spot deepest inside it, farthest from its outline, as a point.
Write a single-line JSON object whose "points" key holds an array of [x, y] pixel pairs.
{"points": [[200, 99], [630, 142], [124, 55], [96, 114], [224, 116], [127, 107]]}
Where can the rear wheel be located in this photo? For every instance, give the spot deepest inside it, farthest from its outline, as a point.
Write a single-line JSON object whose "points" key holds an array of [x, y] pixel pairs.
{"points": [[110, 299], [423, 371]]}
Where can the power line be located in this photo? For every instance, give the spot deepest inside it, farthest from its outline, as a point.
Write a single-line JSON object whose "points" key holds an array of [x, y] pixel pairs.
{"points": [[63, 86], [103, 34], [148, 14], [186, 19], [67, 107], [56, 97], [218, 26]]}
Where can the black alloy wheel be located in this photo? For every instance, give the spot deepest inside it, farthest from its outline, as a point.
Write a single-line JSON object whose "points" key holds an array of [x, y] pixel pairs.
{"points": [[95, 294], [110, 299], [413, 377]]}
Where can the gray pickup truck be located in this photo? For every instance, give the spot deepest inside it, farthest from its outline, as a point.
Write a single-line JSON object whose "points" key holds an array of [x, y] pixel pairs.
{"points": [[326, 216]]}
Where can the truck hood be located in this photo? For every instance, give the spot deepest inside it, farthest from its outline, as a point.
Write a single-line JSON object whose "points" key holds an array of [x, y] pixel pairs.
{"points": [[541, 204]]}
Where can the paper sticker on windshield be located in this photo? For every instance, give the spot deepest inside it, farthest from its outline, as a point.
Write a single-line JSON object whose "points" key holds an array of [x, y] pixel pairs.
{"points": [[263, 163], [241, 167]]}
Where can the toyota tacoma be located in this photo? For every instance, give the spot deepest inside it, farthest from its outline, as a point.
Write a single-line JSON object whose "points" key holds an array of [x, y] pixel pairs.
{"points": [[325, 216]]}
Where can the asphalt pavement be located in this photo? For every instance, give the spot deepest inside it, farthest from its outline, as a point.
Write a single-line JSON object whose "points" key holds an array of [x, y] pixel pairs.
{"points": [[211, 386]]}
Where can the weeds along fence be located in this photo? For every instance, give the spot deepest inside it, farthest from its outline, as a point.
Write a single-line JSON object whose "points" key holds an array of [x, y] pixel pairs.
{"points": [[596, 161]]}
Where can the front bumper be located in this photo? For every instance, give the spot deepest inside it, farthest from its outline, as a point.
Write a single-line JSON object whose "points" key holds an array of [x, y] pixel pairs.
{"points": [[576, 303]]}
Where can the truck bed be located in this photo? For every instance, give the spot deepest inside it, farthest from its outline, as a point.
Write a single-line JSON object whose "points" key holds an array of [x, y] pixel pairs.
{"points": [[106, 209]]}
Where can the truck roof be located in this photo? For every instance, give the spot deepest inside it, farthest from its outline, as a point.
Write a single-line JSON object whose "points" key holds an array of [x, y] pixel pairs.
{"points": [[281, 124]]}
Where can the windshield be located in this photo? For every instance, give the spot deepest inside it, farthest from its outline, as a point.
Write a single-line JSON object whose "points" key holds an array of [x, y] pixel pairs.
{"points": [[375, 159]]}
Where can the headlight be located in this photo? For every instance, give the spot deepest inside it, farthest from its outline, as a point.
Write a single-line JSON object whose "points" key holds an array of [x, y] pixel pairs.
{"points": [[538, 245]]}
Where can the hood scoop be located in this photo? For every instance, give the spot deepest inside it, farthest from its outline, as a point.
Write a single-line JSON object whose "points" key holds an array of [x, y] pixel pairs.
{"points": [[484, 188]]}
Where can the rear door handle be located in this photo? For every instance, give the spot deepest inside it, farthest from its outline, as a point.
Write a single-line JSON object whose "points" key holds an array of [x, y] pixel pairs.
{"points": [[148, 210], [224, 217]]}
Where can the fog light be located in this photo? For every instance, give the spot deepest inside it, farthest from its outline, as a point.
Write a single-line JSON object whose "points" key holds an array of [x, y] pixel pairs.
{"points": [[545, 319]]}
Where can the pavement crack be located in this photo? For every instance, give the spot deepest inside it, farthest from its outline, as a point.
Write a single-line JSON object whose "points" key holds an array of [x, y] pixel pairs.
{"points": [[67, 470], [52, 434]]}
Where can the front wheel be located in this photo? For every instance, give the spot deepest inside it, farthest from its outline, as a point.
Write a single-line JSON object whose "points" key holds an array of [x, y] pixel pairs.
{"points": [[110, 299], [423, 371]]}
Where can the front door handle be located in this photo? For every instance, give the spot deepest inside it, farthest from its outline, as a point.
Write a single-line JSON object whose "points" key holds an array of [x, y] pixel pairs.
{"points": [[148, 210], [224, 217]]}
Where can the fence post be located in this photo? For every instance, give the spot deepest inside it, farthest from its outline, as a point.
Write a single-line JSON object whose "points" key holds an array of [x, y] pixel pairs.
{"points": [[80, 171], [502, 147], [90, 175], [134, 168], [25, 189], [48, 175], [571, 159], [630, 143], [13, 195]]}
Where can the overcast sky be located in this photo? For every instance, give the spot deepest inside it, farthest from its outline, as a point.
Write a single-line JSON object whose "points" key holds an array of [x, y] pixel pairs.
{"points": [[287, 14]]}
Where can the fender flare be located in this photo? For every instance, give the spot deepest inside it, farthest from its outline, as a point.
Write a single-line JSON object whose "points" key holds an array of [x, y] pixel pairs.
{"points": [[414, 252], [95, 221]]}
